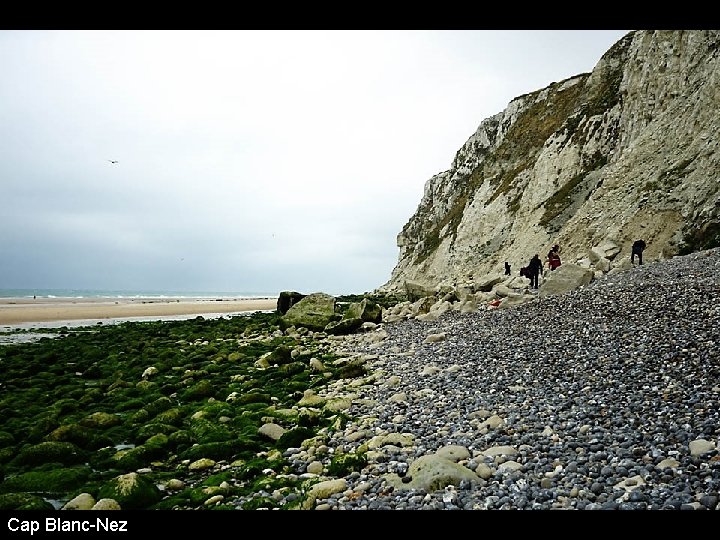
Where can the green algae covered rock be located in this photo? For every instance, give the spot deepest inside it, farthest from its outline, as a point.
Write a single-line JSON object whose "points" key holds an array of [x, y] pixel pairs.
{"points": [[313, 312], [155, 428], [213, 450], [72, 433], [146, 386], [180, 439], [199, 390], [159, 405], [6, 439], [344, 464], [281, 355], [130, 459], [365, 310], [101, 420], [67, 418], [23, 501], [132, 491], [156, 444], [172, 416], [253, 397], [287, 299], [293, 438], [50, 452], [6, 454], [205, 431], [293, 368], [51, 481]]}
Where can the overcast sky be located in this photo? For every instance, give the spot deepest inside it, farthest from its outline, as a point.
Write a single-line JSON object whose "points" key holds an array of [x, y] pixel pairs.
{"points": [[253, 161]]}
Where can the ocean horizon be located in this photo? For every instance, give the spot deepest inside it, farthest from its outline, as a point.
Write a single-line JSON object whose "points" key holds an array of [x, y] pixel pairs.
{"points": [[120, 293]]}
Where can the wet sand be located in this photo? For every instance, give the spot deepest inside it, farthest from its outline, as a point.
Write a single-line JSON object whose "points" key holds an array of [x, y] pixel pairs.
{"points": [[28, 310]]}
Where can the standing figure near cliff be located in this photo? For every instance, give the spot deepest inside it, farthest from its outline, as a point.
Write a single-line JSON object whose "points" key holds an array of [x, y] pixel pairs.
{"points": [[507, 268], [554, 257], [534, 268], [637, 249]]}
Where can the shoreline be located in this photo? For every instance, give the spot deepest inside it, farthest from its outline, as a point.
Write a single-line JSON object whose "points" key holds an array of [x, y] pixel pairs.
{"points": [[16, 311]]}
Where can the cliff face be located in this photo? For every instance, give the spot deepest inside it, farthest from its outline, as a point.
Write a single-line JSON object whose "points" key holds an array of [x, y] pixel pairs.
{"points": [[627, 151]]}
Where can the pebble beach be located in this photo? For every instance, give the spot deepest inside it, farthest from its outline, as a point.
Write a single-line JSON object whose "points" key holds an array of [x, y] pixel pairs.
{"points": [[603, 398], [607, 397]]}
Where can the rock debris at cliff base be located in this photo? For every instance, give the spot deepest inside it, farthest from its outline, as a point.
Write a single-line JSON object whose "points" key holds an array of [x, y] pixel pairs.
{"points": [[607, 397]]}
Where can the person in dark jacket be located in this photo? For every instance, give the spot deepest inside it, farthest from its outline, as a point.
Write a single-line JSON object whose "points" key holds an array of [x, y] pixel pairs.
{"points": [[533, 271], [637, 249], [507, 268]]}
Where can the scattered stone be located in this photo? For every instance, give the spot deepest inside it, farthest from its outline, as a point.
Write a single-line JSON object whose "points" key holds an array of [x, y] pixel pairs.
{"points": [[272, 431], [500, 451], [107, 504], [699, 447], [431, 473], [315, 467], [149, 372], [84, 501], [484, 471], [453, 452], [492, 422], [435, 338], [323, 490], [668, 463], [201, 464]]}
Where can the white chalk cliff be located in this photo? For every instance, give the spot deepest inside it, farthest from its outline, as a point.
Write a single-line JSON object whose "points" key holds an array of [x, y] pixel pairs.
{"points": [[627, 151]]}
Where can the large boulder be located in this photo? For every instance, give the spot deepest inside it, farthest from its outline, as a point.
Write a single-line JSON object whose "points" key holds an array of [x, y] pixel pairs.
{"points": [[422, 305], [51, 452], [515, 299], [366, 310], [416, 291], [595, 254], [345, 326], [503, 290], [431, 473], [287, 299], [610, 249], [603, 265], [486, 283], [566, 278], [131, 490], [314, 312]]}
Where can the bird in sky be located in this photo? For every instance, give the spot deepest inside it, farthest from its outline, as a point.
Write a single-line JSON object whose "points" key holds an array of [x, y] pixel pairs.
{"points": [[111, 161]]}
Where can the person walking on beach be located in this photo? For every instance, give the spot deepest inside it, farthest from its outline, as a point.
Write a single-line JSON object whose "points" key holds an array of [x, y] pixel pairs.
{"points": [[554, 257], [507, 268], [533, 271], [637, 249]]}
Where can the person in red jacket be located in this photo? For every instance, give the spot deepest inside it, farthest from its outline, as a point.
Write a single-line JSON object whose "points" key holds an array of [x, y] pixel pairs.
{"points": [[554, 257]]}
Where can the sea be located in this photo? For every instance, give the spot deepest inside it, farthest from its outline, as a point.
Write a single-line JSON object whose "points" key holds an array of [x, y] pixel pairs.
{"points": [[141, 293], [8, 333]]}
